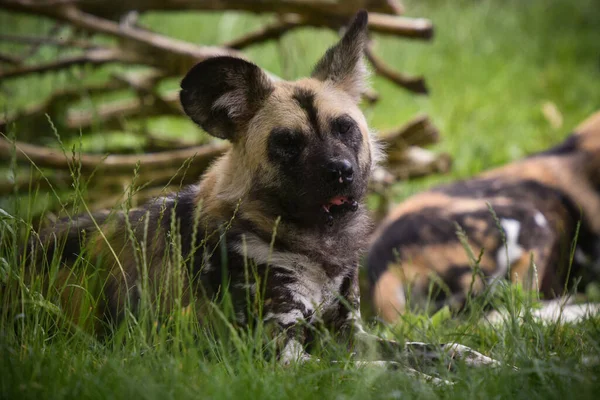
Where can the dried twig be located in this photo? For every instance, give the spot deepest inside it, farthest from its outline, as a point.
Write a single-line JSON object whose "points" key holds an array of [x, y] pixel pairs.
{"points": [[45, 157], [268, 32], [36, 46], [92, 57], [414, 84], [332, 13], [419, 131], [26, 183], [48, 41], [113, 113], [172, 55], [396, 7], [34, 116], [10, 59]]}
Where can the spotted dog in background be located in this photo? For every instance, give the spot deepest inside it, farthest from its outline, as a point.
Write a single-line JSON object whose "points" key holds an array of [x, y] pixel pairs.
{"points": [[287, 200], [538, 201]]}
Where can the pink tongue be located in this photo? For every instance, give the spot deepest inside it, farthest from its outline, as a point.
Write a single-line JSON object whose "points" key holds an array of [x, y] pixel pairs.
{"points": [[338, 200]]}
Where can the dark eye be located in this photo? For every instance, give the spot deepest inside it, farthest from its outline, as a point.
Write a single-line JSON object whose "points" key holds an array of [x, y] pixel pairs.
{"points": [[343, 125], [285, 144], [346, 130]]}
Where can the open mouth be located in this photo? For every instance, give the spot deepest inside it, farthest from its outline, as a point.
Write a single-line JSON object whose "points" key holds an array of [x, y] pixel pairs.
{"points": [[337, 206]]}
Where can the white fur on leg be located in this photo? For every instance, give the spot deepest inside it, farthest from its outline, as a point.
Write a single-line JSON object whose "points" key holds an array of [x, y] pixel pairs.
{"points": [[293, 352]]}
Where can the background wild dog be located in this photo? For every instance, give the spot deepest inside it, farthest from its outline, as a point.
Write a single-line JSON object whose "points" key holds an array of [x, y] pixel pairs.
{"points": [[538, 202]]}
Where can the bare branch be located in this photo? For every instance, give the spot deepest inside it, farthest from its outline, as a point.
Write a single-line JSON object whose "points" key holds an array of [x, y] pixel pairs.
{"points": [[115, 8], [414, 84], [26, 183], [112, 114], [36, 47], [154, 163], [10, 59], [419, 131], [418, 162], [56, 104], [334, 13], [396, 7], [273, 31], [92, 57], [371, 96], [414, 28], [173, 56], [49, 41]]}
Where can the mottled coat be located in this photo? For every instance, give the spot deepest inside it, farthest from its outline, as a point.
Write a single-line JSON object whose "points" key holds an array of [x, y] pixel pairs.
{"points": [[538, 201], [280, 215]]}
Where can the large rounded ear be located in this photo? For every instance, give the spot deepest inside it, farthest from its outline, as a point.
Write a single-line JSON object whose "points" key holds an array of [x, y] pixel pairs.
{"points": [[343, 64], [222, 94]]}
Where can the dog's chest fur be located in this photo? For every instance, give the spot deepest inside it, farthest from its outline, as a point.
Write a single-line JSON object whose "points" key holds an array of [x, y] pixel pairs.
{"points": [[304, 280]]}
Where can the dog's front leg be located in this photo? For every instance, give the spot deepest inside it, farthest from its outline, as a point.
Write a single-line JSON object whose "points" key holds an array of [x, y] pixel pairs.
{"points": [[416, 354], [291, 325], [349, 325], [293, 351]]}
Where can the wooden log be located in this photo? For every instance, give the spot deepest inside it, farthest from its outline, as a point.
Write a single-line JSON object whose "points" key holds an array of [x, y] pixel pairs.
{"points": [[332, 13], [415, 84], [48, 41], [419, 131], [44, 157], [34, 117], [172, 56], [112, 114], [93, 57], [112, 9]]}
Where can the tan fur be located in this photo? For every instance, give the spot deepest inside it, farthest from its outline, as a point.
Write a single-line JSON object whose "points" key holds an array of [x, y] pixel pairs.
{"points": [[567, 175], [590, 128], [229, 180], [244, 192], [388, 296], [572, 170]]}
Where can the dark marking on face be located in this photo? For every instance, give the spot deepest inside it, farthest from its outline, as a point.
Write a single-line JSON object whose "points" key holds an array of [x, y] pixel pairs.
{"points": [[347, 131], [306, 100], [285, 145]]}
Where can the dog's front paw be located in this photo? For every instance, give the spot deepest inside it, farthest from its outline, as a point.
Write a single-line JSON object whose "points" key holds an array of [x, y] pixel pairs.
{"points": [[423, 354], [469, 356], [293, 353]]}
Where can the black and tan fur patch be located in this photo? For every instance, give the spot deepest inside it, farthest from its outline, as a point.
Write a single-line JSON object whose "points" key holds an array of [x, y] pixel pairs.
{"points": [[279, 221], [287, 201], [539, 203]]}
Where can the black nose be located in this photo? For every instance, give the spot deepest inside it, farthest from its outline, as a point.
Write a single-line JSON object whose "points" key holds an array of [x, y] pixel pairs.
{"points": [[340, 171]]}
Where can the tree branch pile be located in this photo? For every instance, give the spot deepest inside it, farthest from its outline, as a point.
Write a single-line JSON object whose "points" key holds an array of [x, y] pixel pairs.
{"points": [[164, 57]]}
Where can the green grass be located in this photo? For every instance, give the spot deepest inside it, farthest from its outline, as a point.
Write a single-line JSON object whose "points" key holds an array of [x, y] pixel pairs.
{"points": [[491, 68]]}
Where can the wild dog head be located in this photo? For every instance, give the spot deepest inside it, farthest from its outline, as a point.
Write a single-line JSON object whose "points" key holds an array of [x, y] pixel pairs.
{"points": [[301, 150]]}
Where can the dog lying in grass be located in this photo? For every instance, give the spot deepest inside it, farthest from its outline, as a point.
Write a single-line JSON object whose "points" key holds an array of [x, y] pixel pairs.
{"points": [[280, 218], [518, 222]]}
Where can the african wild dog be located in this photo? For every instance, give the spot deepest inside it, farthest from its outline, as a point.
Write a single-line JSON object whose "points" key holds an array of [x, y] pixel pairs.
{"points": [[286, 200], [539, 202]]}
